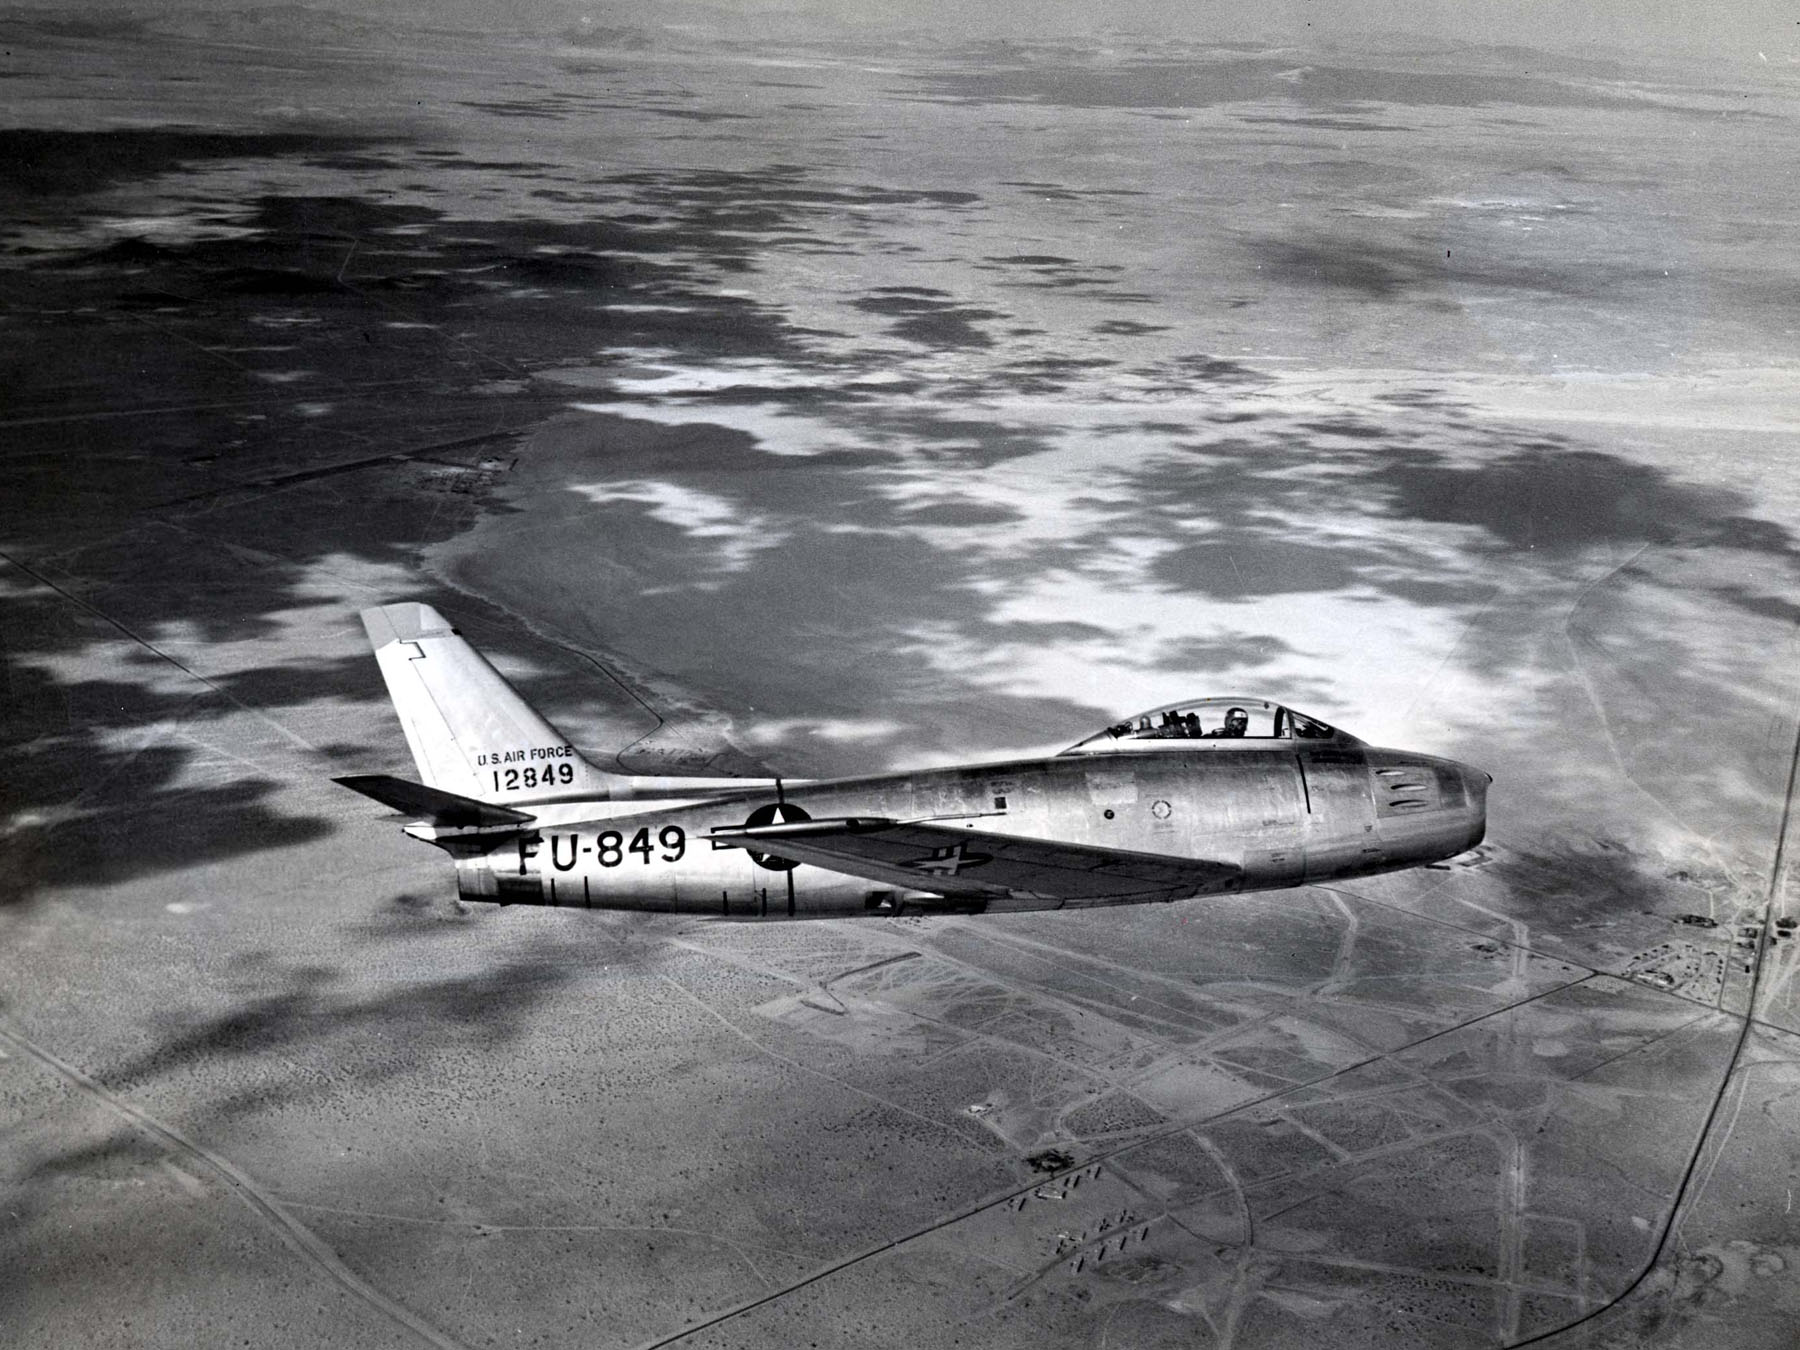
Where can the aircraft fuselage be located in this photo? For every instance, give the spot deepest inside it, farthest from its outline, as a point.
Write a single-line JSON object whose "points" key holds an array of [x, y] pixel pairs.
{"points": [[1278, 816]]}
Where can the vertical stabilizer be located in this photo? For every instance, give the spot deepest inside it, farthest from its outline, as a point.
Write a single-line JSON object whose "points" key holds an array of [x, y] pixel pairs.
{"points": [[469, 731]]}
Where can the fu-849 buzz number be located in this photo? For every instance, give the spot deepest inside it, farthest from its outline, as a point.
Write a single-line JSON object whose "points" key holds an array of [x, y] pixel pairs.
{"points": [[608, 848]]}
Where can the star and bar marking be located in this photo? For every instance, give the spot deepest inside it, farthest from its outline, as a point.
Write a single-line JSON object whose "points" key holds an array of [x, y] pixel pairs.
{"points": [[948, 861]]}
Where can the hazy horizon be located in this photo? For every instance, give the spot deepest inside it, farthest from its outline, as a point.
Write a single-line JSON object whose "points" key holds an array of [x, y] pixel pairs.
{"points": [[1761, 32]]}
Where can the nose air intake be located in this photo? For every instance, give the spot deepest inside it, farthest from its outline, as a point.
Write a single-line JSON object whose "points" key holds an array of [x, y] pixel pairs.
{"points": [[1475, 785]]}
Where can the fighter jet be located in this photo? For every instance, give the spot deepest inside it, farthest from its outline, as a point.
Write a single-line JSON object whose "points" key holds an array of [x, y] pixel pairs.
{"points": [[1204, 797]]}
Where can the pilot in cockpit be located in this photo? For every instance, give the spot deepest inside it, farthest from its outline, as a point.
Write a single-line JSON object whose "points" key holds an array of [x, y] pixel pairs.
{"points": [[1237, 722]]}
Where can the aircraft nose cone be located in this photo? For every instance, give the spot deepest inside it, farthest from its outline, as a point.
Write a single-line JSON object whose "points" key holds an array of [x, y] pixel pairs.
{"points": [[1474, 779], [1475, 784]]}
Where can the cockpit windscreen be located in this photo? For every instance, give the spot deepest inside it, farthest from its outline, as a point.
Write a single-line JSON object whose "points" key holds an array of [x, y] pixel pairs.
{"points": [[1209, 719]]}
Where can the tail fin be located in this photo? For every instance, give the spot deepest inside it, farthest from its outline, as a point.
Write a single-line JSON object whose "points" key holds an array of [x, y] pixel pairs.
{"points": [[469, 731]]}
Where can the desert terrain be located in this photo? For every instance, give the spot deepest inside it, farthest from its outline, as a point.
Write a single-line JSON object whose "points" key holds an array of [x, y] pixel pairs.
{"points": [[831, 400]]}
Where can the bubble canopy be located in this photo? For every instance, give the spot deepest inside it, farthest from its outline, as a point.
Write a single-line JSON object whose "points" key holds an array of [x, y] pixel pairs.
{"points": [[1216, 723]]}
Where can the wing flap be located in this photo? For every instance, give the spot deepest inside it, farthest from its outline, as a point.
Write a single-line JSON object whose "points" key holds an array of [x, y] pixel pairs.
{"points": [[432, 805], [977, 863]]}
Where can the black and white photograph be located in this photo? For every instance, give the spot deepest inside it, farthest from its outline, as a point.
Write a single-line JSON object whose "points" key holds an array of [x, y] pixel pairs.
{"points": [[838, 675]]}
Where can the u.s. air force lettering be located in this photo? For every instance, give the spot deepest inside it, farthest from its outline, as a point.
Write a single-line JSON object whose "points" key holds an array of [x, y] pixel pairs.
{"points": [[530, 768]]}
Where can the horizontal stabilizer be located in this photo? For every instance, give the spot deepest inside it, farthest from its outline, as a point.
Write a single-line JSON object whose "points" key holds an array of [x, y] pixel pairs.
{"points": [[431, 804], [958, 862]]}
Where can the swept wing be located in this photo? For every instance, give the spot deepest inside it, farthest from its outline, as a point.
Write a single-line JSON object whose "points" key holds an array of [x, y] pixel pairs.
{"points": [[965, 863]]}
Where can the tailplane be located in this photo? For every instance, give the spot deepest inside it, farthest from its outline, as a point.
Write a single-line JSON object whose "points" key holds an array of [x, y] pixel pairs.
{"points": [[433, 806], [470, 733]]}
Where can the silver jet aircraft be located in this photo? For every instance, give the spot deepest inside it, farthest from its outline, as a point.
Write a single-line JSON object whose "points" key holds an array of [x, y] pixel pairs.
{"points": [[1202, 797]]}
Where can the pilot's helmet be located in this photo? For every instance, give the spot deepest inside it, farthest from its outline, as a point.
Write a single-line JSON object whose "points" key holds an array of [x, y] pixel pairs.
{"points": [[1237, 721]]}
